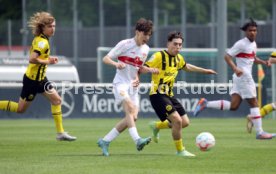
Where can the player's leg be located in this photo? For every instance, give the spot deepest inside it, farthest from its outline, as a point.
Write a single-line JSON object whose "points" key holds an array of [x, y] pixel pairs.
{"points": [[28, 93], [104, 142], [222, 104], [181, 111], [157, 125], [55, 100], [159, 103], [216, 104], [176, 122], [120, 93], [248, 92], [268, 108], [122, 96], [256, 119], [12, 106], [219, 104], [236, 100], [131, 107], [185, 120], [184, 123], [265, 110], [7, 105]]}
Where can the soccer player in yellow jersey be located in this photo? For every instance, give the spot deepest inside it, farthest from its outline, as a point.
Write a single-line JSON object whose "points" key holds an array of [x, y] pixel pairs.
{"points": [[268, 108], [170, 112], [35, 81]]}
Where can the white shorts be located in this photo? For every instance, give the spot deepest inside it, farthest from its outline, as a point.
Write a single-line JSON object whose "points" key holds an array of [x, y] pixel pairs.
{"points": [[244, 86], [125, 91]]}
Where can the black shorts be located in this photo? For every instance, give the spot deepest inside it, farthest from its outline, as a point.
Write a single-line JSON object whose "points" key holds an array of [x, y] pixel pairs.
{"points": [[32, 87], [165, 105]]}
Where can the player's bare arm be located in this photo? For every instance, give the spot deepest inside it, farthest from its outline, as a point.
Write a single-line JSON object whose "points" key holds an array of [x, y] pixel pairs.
{"points": [[53, 60], [272, 58], [109, 61], [231, 63], [193, 68], [136, 82], [145, 69], [260, 61], [34, 58]]}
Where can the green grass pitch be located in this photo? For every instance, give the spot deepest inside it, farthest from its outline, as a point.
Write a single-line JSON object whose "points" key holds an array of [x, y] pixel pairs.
{"points": [[29, 146]]}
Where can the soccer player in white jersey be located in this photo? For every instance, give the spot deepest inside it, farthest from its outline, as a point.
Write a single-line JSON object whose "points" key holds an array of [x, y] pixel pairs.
{"points": [[131, 55], [244, 87]]}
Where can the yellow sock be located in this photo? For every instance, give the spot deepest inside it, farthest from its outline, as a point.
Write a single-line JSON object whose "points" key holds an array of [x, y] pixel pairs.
{"points": [[179, 145], [266, 110], [57, 114], [162, 125], [8, 106]]}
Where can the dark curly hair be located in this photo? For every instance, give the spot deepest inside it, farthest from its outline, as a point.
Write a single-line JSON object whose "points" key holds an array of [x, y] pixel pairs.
{"points": [[144, 25], [250, 23], [174, 35]]}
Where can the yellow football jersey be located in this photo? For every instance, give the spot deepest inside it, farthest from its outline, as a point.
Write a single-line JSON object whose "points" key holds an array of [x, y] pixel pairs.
{"points": [[273, 54], [168, 69], [41, 46]]}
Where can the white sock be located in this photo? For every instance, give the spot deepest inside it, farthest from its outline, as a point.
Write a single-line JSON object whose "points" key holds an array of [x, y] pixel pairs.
{"points": [[111, 135], [134, 134], [219, 104], [256, 119]]}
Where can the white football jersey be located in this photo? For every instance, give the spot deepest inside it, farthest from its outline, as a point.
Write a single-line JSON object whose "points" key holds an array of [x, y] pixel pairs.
{"points": [[132, 55], [245, 52]]}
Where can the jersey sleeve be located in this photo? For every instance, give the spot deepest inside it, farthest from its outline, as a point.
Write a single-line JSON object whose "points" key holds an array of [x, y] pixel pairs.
{"points": [[154, 61], [182, 62], [273, 54], [117, 50], [235, 50], [40, 46]]}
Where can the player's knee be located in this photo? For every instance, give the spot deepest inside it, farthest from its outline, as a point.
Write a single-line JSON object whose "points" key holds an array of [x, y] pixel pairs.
{"points": [[131, 109], [56, 102], [234, 108], [21, 110], [185, 123], [177, 122]]}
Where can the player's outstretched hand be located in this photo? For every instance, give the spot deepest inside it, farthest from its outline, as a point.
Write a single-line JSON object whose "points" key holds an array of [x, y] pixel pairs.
{"points": [[210, 71], [238, 72], [135, 83], [53, 60]]}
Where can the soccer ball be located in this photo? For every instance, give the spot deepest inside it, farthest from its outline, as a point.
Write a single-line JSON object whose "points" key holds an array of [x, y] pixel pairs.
{"points": [[205, 141]]}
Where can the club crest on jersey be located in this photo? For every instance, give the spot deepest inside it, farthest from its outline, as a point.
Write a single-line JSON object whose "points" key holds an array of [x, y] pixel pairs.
{"points": [[169, 107], [31, 97], [41, 44]]}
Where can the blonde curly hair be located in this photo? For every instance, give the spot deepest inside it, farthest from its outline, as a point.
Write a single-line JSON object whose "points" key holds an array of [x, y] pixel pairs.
{"points": [[38, 21]]}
